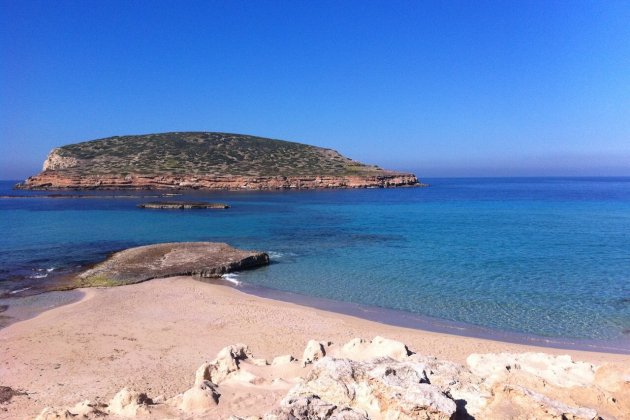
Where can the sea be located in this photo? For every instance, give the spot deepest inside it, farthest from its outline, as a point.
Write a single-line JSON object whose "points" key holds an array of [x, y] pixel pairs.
{"points": [[540, 260]]}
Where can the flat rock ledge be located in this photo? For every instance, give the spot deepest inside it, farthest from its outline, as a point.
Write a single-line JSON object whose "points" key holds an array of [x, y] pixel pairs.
{"points": [[182, 205], [377, 379], [202, 259]]}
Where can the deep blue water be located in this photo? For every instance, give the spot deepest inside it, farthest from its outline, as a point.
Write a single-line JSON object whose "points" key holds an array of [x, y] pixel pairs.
{"points": [[542, 256]]}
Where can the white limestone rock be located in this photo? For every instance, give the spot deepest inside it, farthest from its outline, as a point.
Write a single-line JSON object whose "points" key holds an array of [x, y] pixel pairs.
{"points": [[516, 401], [382, 388], [314, 350], [560, 371], [129, 403], [200, 398]]}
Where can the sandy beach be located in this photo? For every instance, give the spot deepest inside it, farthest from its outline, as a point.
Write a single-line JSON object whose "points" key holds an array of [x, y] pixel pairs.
{"points": [[153, 335]]}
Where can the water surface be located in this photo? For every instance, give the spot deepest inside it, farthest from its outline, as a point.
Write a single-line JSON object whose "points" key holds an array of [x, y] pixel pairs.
{"points": [[548, 257]]}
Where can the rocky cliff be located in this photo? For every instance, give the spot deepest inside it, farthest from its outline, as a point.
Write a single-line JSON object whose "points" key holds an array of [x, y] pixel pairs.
{"points": [[205, 161]]}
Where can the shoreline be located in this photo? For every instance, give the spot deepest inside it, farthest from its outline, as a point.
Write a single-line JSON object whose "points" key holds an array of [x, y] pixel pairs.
{"points": [[153, 335], [23, 308], [404, 319], [30, 306]]}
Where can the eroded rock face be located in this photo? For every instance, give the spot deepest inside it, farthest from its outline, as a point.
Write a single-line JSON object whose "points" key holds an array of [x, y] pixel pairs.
{"points": [[227, 361], [84, 409], [560, 371], [129, 403], [383, 387], [314, 350], [55, 161], [381, 379], [514, 401], [200, 398], [60, 180], [360, 349], [516, 380], [312, 407]]}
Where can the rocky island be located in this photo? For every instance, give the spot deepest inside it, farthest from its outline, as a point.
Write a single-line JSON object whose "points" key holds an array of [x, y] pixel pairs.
{"points": [[206, 160]]}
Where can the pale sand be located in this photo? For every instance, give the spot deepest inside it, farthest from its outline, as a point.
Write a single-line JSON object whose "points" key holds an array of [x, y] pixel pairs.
{"points": [[154, 335]]}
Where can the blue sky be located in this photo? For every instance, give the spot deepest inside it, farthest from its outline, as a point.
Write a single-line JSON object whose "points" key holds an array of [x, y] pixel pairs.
{"points": [[444, 88]]}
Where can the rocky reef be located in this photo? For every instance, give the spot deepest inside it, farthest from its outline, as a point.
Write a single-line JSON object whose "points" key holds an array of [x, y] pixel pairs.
{"points": [[378, 379], [205, 160], [182, 205], [202, 259]]}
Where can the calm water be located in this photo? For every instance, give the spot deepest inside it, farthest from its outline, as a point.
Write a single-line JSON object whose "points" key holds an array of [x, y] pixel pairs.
{"points": [[547, 257]]}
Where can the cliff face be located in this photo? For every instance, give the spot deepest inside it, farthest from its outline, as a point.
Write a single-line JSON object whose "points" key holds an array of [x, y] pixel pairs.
{"points": [[205, 161], [55, 161], [52, 180]]}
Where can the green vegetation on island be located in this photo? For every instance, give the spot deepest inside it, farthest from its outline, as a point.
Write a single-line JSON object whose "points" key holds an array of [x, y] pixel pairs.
{"points": [[207, 153]]}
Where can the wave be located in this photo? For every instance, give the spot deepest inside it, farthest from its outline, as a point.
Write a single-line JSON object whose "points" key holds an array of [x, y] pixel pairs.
{"points": [[232, 278], [19, 290], [278, 255]]}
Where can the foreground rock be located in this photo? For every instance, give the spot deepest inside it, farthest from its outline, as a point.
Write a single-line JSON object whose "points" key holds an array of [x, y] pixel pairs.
{"points": [[379, 379], [182, 205], [203, 259]]}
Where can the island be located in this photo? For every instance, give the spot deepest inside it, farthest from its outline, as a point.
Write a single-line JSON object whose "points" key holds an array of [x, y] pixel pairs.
{"points": [[207, 161]]}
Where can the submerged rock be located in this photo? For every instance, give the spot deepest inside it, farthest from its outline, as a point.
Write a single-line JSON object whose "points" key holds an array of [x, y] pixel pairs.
{"points": [[182, 205]]}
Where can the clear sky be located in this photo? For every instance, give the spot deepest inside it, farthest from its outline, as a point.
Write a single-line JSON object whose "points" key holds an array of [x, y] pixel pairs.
{"points": [[444, 88]]}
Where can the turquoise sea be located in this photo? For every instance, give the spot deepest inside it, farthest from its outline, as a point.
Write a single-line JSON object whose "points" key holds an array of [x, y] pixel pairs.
{"points": [[533, 257]]}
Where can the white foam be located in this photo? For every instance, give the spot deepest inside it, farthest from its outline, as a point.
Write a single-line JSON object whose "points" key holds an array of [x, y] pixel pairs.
{"points": [[50, 269], [19, 290], [38, 276], [232, 278], [278, 255]]}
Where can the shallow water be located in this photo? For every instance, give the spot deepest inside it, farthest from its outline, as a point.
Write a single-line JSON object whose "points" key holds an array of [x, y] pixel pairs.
{"points": [[541, 256]]}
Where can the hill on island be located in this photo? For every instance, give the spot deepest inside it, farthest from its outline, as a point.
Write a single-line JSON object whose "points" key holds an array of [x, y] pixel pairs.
{"points": [[205, 160]]}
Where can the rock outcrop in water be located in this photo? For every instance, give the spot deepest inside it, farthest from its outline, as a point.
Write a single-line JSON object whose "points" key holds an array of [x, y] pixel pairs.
{"points": [[382, 379], [182, 205], [203, 259], [205, 161]]}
